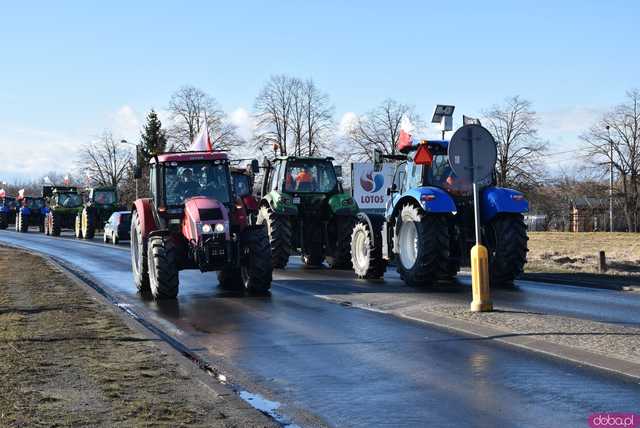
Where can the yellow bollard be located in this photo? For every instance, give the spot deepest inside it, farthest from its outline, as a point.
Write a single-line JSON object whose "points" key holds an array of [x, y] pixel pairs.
{"points": [[480, 279]]}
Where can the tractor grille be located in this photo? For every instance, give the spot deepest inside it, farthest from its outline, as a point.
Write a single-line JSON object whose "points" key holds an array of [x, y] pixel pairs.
{"points": [[207, 214]]}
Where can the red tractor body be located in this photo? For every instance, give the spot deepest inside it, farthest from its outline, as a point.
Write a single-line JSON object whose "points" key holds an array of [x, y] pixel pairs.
{"points": [[195, 220]]}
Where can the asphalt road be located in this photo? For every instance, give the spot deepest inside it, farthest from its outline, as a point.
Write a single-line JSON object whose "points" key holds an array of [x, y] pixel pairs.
{"points": [[351, 367]]}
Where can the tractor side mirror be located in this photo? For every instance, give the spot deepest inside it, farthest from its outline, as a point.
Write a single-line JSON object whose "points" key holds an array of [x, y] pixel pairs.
{"points": [[392, 189], [255, 166], [338, 170], [377, 159]]}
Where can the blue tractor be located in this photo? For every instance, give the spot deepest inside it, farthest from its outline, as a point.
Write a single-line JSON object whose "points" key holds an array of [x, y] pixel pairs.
{"points": [[31, 211], [7, 211], [428, 225]]}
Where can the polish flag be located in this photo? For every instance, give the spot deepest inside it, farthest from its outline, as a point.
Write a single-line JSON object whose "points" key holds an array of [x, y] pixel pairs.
{"points": [[66, 180], [405, 139], [20, 193], [2, 193], [202, 142]]}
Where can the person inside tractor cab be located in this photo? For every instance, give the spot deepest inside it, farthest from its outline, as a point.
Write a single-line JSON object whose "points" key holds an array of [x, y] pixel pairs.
{"points": [[217, 183], [305, 182], [442, 175], [188, 186], [69, 200]]}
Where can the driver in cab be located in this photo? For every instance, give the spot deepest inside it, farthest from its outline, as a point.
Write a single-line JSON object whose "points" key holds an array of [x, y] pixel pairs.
{"points": [[187, 186], [305, 181]]}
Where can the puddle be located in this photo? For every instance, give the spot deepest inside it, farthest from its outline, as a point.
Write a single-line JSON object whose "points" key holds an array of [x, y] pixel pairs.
{"points": [[266, 406]]}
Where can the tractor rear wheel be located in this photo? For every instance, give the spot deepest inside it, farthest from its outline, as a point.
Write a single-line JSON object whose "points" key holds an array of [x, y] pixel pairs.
{"points": [[423, 246], [88, 224], [55, 224], [78, 226], [16, 226], [279, 233], [506, 240], [366, 252], [256, 270], [22, 223], [3, 221], [163, 268], [341, 257], [41, 225], [139, 265]]}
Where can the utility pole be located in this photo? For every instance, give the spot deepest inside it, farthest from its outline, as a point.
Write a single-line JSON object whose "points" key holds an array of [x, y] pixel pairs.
{"points": [[610, 180]]}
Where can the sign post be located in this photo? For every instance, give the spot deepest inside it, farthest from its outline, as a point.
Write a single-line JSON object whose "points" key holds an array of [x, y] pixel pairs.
{"points": [[472, 156]]}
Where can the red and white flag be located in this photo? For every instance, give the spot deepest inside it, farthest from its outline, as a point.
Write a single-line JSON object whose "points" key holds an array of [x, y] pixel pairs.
{"points": [[405, 139], [202, 142], [66, 180], [2, 193], [21, 193]]}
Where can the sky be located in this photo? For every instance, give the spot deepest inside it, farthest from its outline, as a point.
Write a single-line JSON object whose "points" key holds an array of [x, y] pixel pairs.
{"points": [[71, 70]]}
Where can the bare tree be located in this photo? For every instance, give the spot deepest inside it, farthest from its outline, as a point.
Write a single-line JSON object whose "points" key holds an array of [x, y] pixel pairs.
{"points": [[273, 113], [380, 128], [105, 162], [297, 115], [319, 117], [189, 108], [615, 139], [513, 125]]}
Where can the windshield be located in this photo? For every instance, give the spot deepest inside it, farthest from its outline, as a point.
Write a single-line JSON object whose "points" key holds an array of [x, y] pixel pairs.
{"points": [[35, 203], [9, 202], [241, 185], [441, 175], [310, 176], [69, 200], [204, 178], [104, 197]]}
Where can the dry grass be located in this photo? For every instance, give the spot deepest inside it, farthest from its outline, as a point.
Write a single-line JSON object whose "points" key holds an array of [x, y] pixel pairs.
{"points": [[68, 360], [565, 252]]}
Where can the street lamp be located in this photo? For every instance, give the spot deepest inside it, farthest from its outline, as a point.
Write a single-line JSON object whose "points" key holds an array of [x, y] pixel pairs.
{"points": [[610, 179], [136, 146]]}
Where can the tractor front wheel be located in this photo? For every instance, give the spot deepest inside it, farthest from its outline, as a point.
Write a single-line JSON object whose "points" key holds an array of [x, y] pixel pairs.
{"points": [[341, 257], [279, 234], [54, 225], [88, 224], [22, 223], [366, 252], [78, 226], [423, 246], [256, 269], [163, 268], [139, 265], [506, 240]]}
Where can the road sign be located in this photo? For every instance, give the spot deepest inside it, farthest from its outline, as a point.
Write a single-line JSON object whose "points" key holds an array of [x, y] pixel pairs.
{"points": [[472, 153]]}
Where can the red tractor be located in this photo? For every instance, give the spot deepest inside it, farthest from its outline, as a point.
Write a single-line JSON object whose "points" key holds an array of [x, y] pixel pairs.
{"points": [[194, 220]]}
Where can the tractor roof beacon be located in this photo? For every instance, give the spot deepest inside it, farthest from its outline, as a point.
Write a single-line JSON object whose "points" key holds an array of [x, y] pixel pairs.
{"points": [[63, 204], [100, 203], [194, 220], [428, 225], [304, 207]]}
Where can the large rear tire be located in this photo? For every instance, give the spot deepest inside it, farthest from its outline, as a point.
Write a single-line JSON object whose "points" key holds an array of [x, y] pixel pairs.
{"points": [[506, 239], [163, 268], [341, 257], [423, 246], [279, 234], [366, 252], [88, 223], [139, 265], [3, 221], [78, 226]]}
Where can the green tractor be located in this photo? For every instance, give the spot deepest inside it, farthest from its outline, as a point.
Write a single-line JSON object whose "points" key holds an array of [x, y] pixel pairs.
{"points": [[63, 205], [305, 210], [100, 203]]}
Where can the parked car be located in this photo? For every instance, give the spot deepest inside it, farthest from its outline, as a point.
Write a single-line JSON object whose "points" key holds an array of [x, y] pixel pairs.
{"points": [[117, 228]]}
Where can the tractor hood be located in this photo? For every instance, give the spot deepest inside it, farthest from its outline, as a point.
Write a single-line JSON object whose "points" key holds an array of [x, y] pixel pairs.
{"points": [[200, 211]]}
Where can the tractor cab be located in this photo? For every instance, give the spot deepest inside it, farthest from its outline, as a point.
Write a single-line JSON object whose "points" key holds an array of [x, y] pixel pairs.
{"points": [[62, 196], [33, 202], [7, 211], [8, 202], [103, 196]]}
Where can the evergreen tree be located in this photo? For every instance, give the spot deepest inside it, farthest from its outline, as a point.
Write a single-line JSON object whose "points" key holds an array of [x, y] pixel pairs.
{"points": [[153, 137]]}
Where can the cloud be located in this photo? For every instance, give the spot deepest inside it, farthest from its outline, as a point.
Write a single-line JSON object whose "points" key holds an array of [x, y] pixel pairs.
{"points": [[243, 121], [126, 123], [569, 121], [346, 122]]}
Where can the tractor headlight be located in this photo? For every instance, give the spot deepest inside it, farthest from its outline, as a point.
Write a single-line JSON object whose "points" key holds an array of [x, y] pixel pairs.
{"points": [[206, 228], [219, 228]]}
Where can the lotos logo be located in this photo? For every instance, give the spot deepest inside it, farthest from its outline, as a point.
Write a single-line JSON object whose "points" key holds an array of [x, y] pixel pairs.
{"points": [[372, 182], [613, 420]]}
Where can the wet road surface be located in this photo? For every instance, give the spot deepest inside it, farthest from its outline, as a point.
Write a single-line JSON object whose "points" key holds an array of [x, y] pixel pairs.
{"points": [[352, 367]]}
